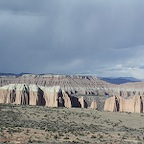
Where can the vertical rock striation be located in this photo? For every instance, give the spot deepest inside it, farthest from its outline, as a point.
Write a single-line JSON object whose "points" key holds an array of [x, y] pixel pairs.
{"points": [[119, 104], [23, 94]]}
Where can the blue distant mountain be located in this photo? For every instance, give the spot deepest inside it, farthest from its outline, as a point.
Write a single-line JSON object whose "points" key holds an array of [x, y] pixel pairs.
{"points": [[119, 80], [12, 74], [7, 74]]}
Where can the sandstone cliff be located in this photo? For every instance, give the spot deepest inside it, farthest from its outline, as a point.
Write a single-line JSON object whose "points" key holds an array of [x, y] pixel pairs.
{"points": [[81, 100], [23, 94], [56, 97], [32, 94], [93, 105], [66, 99], [66, 90], [119, 104]]}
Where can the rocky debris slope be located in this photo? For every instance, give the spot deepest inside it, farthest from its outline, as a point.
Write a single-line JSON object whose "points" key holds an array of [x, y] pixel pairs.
{"points": [[32, 94], [119, 104]]}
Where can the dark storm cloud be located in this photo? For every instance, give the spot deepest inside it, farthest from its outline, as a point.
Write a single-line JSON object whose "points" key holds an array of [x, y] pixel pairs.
{"points": [[70, 36]]}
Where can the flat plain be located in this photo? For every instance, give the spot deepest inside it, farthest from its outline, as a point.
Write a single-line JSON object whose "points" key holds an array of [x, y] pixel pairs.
{"points": [[39, 124]]}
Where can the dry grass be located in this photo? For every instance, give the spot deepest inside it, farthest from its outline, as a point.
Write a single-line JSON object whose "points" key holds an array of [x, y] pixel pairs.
{"points": [[33, 124]]}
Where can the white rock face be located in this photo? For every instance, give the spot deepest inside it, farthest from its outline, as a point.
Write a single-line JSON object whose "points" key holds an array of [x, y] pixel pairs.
{"points": [[51, 96], [23, 94], [20, 94], [94, 105]]}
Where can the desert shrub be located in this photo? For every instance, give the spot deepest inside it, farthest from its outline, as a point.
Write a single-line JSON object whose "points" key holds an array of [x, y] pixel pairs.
{"points": [[56, 137], [66, 138], [93, 136]]}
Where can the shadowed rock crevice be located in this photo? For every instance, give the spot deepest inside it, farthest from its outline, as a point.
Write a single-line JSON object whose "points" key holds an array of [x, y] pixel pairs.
{"points": [[61, 102], [75, 102], [141, 105], [24, 99], [41, 100], [85, 104], [117, 105]]}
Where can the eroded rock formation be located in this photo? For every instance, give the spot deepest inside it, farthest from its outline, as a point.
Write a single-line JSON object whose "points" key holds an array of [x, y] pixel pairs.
{"points": [[94, 105], [74, 84], [81, 100], [33, 95], [64, 91], [119, 104], [24, 94], [83, 103], [66, 99]]}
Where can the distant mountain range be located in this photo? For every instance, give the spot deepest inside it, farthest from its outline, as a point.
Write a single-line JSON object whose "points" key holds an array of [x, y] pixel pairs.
{"points": [[7, 74], [119, 80], [12, 74]]}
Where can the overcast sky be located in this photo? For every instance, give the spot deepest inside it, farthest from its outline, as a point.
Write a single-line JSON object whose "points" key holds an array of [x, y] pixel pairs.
{"points": [[101, 37]]}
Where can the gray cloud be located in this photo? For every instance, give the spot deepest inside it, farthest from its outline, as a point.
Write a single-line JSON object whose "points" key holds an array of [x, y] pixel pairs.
{"points": [[72, 36]]}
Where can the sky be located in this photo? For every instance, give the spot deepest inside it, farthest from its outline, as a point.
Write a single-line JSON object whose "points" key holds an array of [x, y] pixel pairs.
{"points": [[96, 37]]}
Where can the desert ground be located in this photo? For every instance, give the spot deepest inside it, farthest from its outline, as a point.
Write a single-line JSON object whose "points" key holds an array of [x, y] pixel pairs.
{"points": [[39, 124]]}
